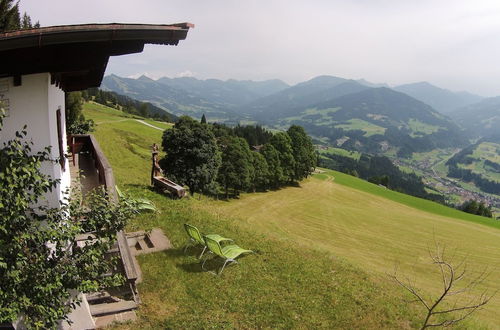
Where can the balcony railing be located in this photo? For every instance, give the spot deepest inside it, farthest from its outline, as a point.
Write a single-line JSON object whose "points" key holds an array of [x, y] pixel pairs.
{"points": [[89, 160], [86, 150]]}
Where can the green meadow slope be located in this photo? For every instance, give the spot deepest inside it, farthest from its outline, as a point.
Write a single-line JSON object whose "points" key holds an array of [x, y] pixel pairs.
{"points": [[323, 250]]}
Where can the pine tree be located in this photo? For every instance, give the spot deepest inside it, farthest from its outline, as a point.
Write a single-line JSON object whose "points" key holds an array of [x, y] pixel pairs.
{"points": [[10, 17], [203, 119], [143, 110]]}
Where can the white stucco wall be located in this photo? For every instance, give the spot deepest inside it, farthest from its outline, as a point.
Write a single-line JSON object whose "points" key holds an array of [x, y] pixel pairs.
{"points": [[34, 104]]}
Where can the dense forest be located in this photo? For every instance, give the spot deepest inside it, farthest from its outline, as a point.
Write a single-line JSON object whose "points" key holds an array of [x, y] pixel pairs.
{"points": [[213, 158], [379, 170]]}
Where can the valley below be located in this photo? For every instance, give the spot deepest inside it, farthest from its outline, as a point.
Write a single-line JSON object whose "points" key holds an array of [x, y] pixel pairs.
{"points": [[420, 127], [323, 249]]}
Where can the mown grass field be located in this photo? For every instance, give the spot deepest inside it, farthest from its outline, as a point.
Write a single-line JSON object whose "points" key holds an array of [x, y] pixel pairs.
{"points": [[358, 124], [372, 229], [341, 152], [323, 250]]}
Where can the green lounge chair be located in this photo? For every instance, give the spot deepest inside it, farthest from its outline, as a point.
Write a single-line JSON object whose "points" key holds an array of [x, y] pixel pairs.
{"points": [[229, 252], [195, 238]]}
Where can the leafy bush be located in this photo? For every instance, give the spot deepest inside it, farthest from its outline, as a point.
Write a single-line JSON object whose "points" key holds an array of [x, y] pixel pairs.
{"points": [[41, 261]]}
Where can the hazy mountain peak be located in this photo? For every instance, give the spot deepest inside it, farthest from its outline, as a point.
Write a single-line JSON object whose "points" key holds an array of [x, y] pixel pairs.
{"points": [[439, 98], [370, 84], [144, 78]]}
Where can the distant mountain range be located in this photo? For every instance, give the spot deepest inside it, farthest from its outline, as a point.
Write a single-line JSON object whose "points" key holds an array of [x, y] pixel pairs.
{"points": [[480, 119], [216, 99], [442, 100], [376, 120], [353, 113], [291, 100]]}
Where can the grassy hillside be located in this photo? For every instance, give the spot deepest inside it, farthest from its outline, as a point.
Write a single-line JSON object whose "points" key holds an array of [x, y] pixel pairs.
{"points": [[322, 249], [485, 151], [370, 226]]}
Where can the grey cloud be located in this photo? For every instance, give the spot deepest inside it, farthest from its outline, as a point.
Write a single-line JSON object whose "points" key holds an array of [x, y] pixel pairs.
{"points": [[450, 43]]}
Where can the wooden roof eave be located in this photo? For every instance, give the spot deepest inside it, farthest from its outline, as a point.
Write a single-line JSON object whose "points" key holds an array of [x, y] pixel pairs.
{"points": [[77, 55]]}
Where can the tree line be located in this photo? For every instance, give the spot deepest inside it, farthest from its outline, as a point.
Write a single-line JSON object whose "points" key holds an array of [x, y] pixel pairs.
{"points": [[214, 158], [474, 207], [379, 170]]}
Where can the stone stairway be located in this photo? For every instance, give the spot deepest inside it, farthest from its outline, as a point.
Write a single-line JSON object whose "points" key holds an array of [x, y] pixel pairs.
{"points": [[119, 304]]}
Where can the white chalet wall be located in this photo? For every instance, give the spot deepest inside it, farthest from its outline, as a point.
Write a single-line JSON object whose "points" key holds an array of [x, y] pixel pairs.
{"points": [[34, 104]]}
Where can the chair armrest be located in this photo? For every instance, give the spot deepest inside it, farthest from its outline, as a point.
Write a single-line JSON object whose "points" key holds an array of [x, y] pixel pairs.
{"points": [[218, 238]]}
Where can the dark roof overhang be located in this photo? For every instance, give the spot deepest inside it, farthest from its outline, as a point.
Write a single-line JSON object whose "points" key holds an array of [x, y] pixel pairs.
{"points": [[76, 55]]}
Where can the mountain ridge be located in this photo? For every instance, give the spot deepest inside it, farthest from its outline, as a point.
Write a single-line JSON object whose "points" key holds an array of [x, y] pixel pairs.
{"points": [[441, 99]]}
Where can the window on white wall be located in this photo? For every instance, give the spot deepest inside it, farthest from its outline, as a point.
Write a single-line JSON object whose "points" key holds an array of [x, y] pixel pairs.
{"points": [[62, 159]]}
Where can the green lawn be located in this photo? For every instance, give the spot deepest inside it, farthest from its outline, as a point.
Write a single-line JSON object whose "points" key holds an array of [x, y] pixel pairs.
{"points": [[323, 250], [420, 128], [358, 124], [341, 152], [371, 227]]}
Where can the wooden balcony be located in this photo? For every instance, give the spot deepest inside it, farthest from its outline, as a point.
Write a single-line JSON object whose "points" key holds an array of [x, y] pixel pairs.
{"points": [[89, 164]]}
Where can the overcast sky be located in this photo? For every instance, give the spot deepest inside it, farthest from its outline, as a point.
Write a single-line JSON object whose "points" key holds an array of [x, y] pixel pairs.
{"points": [[454, 44]]}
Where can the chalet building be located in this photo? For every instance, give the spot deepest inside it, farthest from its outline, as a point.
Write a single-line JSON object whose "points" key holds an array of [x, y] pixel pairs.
{"points": [[37, 66]]}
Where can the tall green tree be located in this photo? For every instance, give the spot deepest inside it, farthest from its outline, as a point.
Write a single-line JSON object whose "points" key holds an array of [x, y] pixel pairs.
{"points": [[203, 119], [10, 17], [303, 152], [75, 120], [236, 167], [192, 156], [474, 207], [275, 172], [259, 173], [143, 110], [41, 263], [282, 142], [74, 106]]}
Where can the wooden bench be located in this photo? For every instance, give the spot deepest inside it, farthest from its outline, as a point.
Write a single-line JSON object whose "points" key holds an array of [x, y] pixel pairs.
{"points": [[163, 183]]}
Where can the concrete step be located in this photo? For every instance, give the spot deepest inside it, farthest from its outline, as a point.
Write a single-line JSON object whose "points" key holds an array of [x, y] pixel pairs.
{"points": [[140, 245], [112, 308], [96, 296]]}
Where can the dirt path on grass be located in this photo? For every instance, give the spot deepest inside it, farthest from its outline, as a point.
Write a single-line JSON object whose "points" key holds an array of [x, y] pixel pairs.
{"points": [[148, 124]]}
